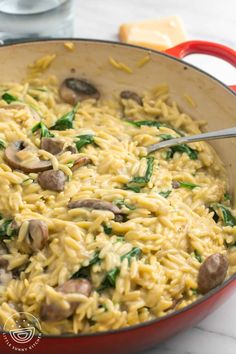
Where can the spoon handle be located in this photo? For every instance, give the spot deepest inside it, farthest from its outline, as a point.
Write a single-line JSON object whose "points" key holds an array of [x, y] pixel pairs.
{"points": [[219, 134]]}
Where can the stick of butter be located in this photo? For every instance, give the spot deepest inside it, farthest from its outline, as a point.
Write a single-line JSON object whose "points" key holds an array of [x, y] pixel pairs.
{"points": [[155, 34]]}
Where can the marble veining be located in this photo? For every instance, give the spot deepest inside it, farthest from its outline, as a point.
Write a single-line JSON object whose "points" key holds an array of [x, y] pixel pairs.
{"points": [[204, 19]]}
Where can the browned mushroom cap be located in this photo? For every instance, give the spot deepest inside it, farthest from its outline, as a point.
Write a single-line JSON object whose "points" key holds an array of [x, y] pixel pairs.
{"points": [[130, 95], [94, 204], [52, 180], [37, 234], [10, 156], [52, 145], [76, 286], [73, 90], [212, 272], [175, 184], [82, 161], [53, 312]]}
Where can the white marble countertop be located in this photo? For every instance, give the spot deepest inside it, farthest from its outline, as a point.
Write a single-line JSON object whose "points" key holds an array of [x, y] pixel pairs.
{"points": [[204, 19]]}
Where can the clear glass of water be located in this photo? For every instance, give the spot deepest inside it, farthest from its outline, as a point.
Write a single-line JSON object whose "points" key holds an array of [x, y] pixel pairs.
{"points": [[36, 18]]}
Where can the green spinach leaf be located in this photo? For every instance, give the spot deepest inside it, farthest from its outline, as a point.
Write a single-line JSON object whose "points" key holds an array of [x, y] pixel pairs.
{"points": [[228, 218], [107, 229], [148, 123], [44, 132], [84, 140], [2, 144], [66, 121], [188, 185], [153, 123], [198, 256], [182, 148], [110, 279], [135, 252], [165, 194], [6, 229], [194, 291], [166, 137], [138, 182], [226, 197], [135, 189], [84, 272], [8, 98], [121, 202]]}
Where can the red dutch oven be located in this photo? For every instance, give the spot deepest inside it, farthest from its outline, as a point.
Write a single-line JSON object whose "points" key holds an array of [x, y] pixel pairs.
{"points": [[213, 102]]}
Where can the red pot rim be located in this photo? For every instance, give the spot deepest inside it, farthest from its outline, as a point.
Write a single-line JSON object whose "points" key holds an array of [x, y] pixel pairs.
{"points": [[204, 297]]}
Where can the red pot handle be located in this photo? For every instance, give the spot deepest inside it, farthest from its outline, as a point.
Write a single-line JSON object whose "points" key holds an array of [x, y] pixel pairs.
{"points": [[204, 47]]}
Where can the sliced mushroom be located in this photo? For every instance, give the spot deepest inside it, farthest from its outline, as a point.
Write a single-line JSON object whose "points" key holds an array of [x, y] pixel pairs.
{"points": [[53, 312], [52, 180], [10, 156], [37, 235], [52, 145], [212, 272], [73, 90], [94, 204], [130, 95], [76, 286], [82, 161]]}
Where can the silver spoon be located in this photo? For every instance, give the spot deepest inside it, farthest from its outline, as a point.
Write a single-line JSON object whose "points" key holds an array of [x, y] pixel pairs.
{"points": [[219, 134]]}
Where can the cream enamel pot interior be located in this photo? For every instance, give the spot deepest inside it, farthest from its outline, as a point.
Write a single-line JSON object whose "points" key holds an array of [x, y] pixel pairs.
{"points": [[215, 103]]}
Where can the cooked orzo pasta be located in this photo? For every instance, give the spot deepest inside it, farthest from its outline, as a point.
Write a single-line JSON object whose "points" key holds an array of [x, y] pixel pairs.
{"points": [[96, 234]]}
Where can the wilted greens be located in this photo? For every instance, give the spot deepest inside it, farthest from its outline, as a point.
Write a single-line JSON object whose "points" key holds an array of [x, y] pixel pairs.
{"points": [[228, 218], [198, 256], [84, 272], [2, 144], [8, 98], [109, 280], [188, 185], [84, 140], [122, 202], [182, 148], [165, 194], [139, 182], [6, 229], [66, 121], [44, 132]]}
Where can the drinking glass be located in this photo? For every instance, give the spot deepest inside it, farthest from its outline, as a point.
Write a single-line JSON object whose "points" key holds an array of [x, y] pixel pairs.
{"points": [[36, 19]]}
